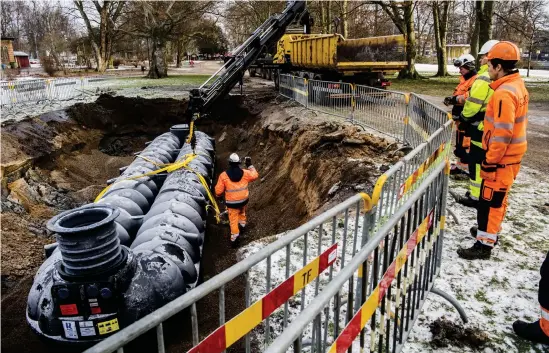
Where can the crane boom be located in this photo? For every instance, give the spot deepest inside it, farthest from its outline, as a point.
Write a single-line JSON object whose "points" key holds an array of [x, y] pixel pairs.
{"points": [[220, 83]]}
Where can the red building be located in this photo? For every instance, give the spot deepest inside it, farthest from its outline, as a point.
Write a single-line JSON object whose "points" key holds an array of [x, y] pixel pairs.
{"points": [[22, 59]]}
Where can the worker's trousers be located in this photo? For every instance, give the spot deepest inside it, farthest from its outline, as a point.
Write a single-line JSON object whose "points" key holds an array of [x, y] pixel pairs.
{"points": [[543, 295], [475, 156], [493, 203], [462, 146], [237, 216]]}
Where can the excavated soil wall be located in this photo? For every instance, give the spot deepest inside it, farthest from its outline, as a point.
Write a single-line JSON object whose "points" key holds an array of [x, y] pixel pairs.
{"points": [[307, 162]]}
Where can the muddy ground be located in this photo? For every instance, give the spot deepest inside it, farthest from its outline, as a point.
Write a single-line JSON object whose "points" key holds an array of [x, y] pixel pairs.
{"points": [[57, 161]]}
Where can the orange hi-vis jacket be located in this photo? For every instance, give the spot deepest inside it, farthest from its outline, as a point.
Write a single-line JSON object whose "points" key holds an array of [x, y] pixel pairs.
{"points": [[235, 188], [462, 89], [504, 137]]}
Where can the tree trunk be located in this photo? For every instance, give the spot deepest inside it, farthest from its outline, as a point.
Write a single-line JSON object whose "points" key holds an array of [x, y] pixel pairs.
{"points": [[440, 18], [322, 18], [376, 17], [328, 16], [344, 19], [99, 62], [476, 31], [158, 67], [411, 50], [485, 27], [103, 38], [178, 58], [530, 55]]}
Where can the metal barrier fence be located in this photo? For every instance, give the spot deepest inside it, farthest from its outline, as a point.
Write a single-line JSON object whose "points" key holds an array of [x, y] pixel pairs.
{"points": [[289, 266], [18, 97], [399, 264], [407, 206], [24, 91], [405, 117]]}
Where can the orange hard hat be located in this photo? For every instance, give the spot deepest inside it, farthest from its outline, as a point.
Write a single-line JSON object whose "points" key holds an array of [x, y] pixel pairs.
{"points": [[504, 51]]}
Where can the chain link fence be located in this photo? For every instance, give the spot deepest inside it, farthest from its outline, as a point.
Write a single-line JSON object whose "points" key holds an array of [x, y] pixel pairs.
{"points": [[357, 274]]}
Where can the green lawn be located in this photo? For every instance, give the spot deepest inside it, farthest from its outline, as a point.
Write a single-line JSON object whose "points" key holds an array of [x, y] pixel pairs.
{"points": [[172, 80], [444, 86]]}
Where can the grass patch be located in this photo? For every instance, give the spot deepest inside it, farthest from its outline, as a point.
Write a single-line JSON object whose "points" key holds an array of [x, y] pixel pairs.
{"points": [[174, 80], [480, 295], [488, 312], [494, 281], [444, 86]]}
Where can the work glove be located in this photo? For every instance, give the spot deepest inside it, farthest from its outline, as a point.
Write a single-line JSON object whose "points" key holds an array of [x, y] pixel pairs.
{"points": [[488, 171], [452, 100], [247, 161]]}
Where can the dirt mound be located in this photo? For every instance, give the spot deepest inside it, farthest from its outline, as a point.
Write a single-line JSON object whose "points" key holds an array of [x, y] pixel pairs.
{"points": [[307, 161], [129, 115], [447, 333]]}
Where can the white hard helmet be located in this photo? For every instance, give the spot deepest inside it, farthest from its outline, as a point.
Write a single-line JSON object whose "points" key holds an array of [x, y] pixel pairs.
{"points": [[466, 60], [234, 158], [487, 46]]}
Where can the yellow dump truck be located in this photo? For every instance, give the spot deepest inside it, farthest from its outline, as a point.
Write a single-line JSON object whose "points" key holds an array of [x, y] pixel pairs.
{"points": [[331, 57]]}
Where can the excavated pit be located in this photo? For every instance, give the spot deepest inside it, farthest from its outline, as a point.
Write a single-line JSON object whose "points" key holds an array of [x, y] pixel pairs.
{"points": [[307, 161]]}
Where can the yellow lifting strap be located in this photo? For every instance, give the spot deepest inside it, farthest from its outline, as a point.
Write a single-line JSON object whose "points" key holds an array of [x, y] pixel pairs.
{"points": [[171, 168], [151, 161]]}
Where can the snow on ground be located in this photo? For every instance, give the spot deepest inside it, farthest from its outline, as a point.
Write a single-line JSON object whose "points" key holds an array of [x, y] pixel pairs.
{"points": [[494, 293], [535, 75]]}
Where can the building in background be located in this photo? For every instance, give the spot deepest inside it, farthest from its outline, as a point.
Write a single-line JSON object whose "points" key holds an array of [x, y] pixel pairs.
{"points": [[7, 57], [22, 59], [454, 51]]}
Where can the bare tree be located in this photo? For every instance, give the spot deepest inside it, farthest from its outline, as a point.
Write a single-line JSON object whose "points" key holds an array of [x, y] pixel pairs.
{"points": [[485, 27], [162, 22], [344, 18], [440, 18], [476, 30], [529, 19], [424, 24], [107, 15], [402, 15]]}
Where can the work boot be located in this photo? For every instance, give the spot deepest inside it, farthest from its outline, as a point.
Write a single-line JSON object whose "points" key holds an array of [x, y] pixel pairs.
{"points": [[474, 231], [454, 170], [242, 227], [478, 251], [530, 331], [235, 240], [467, 201]]}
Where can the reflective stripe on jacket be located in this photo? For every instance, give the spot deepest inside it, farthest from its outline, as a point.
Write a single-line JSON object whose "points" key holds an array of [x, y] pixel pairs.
{"points": [[504, 137], [236, 192], [479, 96]]}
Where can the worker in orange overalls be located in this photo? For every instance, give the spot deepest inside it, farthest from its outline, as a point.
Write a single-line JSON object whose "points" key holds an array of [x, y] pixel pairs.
{"points": [[538, 331], [504, 140], [234, 184], [466, 65]]}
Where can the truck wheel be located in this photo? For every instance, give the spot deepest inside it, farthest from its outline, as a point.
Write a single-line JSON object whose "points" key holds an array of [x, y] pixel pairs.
{"points": [[270, 75]]}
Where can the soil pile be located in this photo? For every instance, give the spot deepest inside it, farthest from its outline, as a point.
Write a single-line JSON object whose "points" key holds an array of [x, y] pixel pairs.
{"points": [[447, 333], [307, 161]]}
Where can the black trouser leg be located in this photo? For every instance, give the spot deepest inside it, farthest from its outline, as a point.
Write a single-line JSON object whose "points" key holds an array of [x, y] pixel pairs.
{"points": [[543, 294]]}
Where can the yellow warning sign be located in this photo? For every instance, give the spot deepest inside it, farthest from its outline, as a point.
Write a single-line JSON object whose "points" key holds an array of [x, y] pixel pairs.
{"points": [[108, 326]]}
